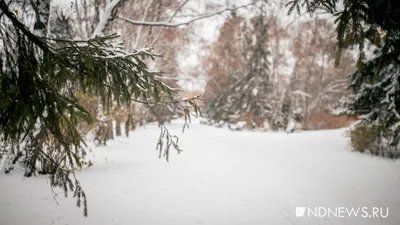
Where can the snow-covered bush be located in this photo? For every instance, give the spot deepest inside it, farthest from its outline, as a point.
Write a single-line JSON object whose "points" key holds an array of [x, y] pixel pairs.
{"points": [[278, 122], [365, 138], [298, 114], [374, 139], [280, 118]]}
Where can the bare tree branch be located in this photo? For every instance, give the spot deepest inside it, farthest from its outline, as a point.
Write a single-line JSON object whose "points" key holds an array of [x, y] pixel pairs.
{"points": [[170, 24], [170, 20], [140, 27], [18, 24]]}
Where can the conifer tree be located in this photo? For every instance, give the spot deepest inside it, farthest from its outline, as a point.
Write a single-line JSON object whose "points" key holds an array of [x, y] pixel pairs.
{"points": [[375, 85], [249, 95], [376, 101]]}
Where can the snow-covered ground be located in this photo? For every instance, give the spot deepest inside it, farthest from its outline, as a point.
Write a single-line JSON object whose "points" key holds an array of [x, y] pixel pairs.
{"points": [[222, 177]]}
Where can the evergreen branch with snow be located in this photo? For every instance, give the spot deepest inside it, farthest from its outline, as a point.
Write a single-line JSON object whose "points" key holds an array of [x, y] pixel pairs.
{"points": [[39, 107]]}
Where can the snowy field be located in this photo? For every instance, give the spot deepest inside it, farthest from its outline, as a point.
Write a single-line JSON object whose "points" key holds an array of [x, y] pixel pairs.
{"points": [[221, 178]]}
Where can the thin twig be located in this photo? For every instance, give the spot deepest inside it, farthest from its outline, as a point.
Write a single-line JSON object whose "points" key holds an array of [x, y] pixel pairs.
{"points": [[169, 24]]}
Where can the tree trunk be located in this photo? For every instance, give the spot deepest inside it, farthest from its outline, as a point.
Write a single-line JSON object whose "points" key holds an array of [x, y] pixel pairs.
{"points": [[110, 133], [107, 15], [117, 127], [127, 127], [42, 14]]}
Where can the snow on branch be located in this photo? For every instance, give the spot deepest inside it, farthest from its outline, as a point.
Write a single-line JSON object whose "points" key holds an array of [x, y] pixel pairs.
{"points": [[170, 24], [336, 86], [301, 93], [107, 15]]}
